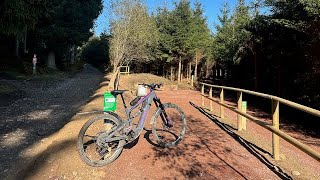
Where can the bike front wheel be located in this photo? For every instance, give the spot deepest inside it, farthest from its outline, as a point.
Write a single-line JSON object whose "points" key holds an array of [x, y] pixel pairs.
{"points": [[168, 125], [93, 148]]}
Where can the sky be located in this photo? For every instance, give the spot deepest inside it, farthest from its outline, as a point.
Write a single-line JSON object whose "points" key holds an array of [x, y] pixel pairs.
{"points": [[211, 11]]}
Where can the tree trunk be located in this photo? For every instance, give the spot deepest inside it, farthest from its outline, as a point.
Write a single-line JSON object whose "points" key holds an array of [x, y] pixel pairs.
{"points": [[112, 83], [181, 75], [255, 72], [73, 47], [115, 67], [164, 74], [196, 68], [279, 81], [17, 54], [187, 73], [25, 41], [190, 70], [51, 61], [207, 71], [179, 70], [171, 73]]}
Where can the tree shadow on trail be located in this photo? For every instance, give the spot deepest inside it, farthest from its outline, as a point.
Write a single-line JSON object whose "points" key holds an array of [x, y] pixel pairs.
{"points": [[196, 156], [38, 163], [191, 152], [174, 159], [42, 116], [252, 148]]}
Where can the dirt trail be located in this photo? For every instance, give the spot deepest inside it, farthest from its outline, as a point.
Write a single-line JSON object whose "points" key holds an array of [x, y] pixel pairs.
{"points": [[211, 150], [41, 108], [207, 152]]}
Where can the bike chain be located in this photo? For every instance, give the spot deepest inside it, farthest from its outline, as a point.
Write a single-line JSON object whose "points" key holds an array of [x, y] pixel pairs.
{"points": [[122, 145]]}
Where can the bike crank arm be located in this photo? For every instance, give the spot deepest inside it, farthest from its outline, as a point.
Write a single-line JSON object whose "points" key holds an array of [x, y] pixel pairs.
{"points": [[123, 145], [118, 138]]}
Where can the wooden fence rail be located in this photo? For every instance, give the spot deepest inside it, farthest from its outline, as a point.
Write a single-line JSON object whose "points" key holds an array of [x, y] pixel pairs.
{"points": [[274, 128], [124, 69]]}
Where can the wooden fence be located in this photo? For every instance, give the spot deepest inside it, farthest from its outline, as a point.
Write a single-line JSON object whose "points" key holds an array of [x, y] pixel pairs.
{"points": [[274, 128], [124, 69]]}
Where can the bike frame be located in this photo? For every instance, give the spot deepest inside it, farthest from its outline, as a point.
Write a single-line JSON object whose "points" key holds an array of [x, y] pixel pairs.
{"points": [[144, 111]]}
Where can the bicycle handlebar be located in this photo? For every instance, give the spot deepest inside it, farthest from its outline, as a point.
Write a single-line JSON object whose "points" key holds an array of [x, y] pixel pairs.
{"points": [[152, 85]]}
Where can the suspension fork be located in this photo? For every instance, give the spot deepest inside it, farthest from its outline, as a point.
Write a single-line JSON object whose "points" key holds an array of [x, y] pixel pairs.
{"points": [[163, 115]]}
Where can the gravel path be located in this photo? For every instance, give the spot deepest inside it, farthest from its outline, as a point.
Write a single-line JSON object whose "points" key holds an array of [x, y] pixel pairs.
{"points": [[207, 152], [40, 108], [210, 150]]}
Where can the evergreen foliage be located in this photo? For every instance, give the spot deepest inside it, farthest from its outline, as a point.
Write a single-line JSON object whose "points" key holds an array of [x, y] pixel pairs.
{"points": [[17, 15], [272, 51], [184, 34], [44, 26], [96, 51], [231, 34]]}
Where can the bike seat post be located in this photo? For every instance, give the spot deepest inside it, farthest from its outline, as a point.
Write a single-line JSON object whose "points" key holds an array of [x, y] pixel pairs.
{"points": [[124, 103]]}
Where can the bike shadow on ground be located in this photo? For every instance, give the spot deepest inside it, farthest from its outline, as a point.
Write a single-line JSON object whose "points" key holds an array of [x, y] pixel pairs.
{"points": [[147, 137], [250, 147], [132, 144], [187, 160]]}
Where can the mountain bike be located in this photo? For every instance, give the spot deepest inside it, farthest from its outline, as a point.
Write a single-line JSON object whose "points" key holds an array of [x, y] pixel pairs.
{"points": [[103, 137]]}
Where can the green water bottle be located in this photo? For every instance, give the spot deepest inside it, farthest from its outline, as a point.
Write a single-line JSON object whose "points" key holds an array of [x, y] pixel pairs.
{"points": [[110, 102]]}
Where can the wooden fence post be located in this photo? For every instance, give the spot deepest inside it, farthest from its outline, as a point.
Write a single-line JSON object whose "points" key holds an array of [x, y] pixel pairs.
{"points": [[239, 117], [275, 123], [244, 119], [202, 97], [210, 95], [221, 101]]}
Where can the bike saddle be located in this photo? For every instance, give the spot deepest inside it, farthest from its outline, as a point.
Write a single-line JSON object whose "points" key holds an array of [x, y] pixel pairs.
{"points": [[116, 92]]}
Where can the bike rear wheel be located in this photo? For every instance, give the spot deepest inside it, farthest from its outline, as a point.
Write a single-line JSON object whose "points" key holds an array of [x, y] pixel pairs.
{"points": [[93, 148], [165, 135]]}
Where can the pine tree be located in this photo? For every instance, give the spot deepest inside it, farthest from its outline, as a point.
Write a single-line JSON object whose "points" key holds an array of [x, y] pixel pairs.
{"points": [[182, 18], [163, 50], [231, 34], [241, 19], [183, 35], [223, 38], [199, 38]]}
